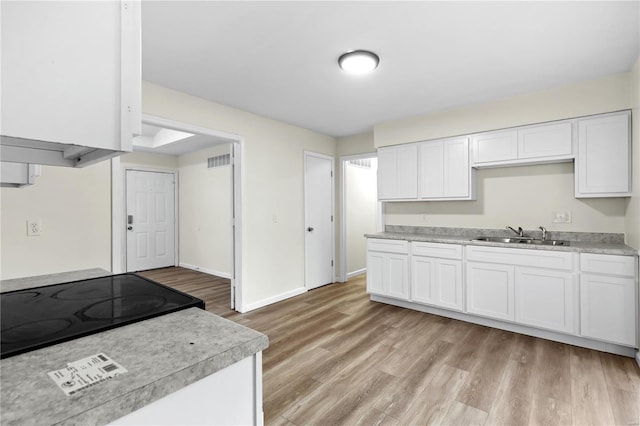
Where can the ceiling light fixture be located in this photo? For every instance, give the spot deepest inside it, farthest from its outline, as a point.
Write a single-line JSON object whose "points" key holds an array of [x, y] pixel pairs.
{"points": [[358, 61]]}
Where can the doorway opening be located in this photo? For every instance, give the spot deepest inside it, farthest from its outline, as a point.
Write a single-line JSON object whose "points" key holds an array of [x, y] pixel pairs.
{"points": [[208, 221], [361, 212]]}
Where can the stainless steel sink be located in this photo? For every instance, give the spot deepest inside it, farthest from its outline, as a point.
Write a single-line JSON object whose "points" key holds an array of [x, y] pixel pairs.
{"points": [[550, 242], [518, 240]]}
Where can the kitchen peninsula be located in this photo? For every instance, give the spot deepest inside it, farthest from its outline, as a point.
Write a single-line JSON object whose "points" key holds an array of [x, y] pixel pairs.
{"points": [[185, 367]]}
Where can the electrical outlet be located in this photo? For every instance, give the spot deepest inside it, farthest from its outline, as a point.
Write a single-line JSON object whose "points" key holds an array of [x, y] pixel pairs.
{"points": [[34, 227], [561, 217]]}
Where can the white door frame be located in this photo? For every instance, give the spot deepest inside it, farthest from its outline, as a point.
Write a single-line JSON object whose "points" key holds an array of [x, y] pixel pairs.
{"points": [[380, 222], [333, 213], [176, 228], [118, 214]]}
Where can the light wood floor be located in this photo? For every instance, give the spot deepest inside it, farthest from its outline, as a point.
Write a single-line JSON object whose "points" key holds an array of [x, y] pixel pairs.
{"points": [[336, 358]]}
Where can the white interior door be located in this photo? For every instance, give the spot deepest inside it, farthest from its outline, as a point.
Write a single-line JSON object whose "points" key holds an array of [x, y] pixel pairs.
{"points": [[319, 241], [150, 220]]}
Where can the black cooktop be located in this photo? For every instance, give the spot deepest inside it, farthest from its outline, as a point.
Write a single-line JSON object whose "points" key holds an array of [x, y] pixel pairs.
{"points": [[42, 316]]}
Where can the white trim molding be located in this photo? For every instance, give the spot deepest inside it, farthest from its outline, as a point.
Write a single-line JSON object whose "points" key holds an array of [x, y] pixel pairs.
{"points": [[273, 299], [356, 273], [205, 270]]}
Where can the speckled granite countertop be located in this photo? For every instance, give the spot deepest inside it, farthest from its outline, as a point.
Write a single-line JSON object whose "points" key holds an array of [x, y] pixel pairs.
{"points": [[583, 242], [162, 355]]}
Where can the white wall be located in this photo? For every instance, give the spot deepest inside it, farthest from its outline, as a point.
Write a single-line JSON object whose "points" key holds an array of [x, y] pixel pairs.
{"points": [[361, 204], [518, 196], [632, 219], [205, 213], [607, 94], [149, 160], [75, 208], [273, 253], [356, 144]]}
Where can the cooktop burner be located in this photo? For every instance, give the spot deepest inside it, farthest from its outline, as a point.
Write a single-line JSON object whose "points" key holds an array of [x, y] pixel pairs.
{"points": [[38, 317]]}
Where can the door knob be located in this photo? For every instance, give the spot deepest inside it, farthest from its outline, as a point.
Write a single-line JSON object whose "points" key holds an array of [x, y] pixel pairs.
{"points": [[310, 229], [130, 228]]}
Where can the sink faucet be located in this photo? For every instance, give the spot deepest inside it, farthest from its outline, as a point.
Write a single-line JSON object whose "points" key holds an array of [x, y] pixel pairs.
{"points": [[520, 232], [544, 232]]}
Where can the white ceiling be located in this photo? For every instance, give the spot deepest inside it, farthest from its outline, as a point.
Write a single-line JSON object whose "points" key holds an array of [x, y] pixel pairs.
{"points": [[279, 59]]}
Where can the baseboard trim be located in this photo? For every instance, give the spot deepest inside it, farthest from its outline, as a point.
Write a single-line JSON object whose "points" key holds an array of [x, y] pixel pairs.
{"points": [[205, 270], [638, 358], [516, 328], [356, 273], [274, 299]]}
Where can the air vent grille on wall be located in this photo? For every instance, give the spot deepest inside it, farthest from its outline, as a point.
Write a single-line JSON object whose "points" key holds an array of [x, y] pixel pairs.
{"points": [[365, 163], [219, 161]]}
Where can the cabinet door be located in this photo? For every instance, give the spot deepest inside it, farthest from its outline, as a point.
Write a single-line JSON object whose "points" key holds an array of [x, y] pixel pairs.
{"points": [[546, 299], [495, 146], [388, 274], [545, 141], [432, 169], [423, 277], [449, 284], [603, 161], [490, 290], [407, 171], [70, 73], [398, 172], [375, 273], [387, 180], [456, 168], [607, 308], [397, 276]]}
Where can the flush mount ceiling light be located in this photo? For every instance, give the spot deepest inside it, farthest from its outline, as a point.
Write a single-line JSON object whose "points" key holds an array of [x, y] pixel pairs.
{"points": [[358, 61]]}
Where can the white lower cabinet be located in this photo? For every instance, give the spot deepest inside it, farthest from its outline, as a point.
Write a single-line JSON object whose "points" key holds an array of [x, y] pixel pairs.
{"points": [[608, 298], [595, 299], [490, 290], [546, 299], [388, 271], [436, 282]]}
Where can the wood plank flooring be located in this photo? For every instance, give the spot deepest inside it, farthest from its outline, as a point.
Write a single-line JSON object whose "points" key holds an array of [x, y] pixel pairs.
{"points": [[336, 358]]}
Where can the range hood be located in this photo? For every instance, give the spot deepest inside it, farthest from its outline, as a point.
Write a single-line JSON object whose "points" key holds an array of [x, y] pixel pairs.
{"points": [[20, 150]]}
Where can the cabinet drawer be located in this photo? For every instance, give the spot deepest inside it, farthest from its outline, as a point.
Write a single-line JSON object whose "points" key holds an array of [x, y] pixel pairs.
{"points": [[522, 257], [445, 251], [608, 264], [388, 246]]}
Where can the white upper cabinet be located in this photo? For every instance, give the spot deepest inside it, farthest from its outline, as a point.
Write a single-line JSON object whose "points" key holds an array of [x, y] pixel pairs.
{"points": [[524, 145], [398, 172], [603, 162], [495, 146], [545, 141], [444, 170], [71, 82]]}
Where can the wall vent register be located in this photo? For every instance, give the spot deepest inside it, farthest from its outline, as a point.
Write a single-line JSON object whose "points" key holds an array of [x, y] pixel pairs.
{"points": [[218, 161]]}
